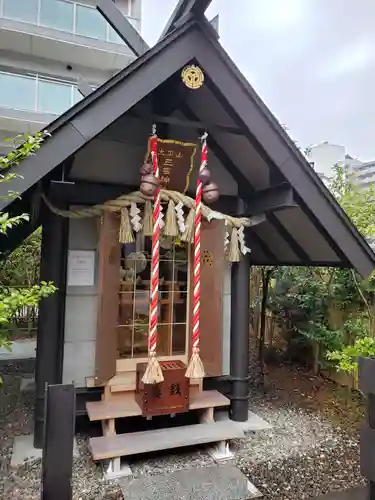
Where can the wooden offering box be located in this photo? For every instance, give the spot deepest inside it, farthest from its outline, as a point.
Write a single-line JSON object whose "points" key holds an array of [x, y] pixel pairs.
{"points": [[170, 396]]}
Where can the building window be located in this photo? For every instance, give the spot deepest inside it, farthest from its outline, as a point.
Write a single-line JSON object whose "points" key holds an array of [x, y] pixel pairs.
{"points": [[54, 97], [37, 93], [67, 16], [57, 14], [134, 299], [21, 10], [90, 23], [17, 92]]}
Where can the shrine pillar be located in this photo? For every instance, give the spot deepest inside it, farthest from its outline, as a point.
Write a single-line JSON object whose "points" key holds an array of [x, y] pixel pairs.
{"points": [[50, 334], [239, 336]]}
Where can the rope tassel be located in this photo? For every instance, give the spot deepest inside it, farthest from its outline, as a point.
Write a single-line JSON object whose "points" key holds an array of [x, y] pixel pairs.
{"points": [[171, 228], [153, 373], [195, 368], [125, 232], [234, 251], [147, 219], [188, 234]]}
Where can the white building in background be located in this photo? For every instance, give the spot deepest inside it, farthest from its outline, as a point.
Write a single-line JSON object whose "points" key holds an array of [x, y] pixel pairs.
{"points": [[324, 156], [45, 47], [365, 173]]}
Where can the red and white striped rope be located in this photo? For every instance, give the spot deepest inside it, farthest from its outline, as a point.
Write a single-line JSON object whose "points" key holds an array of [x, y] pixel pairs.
{"points": [[197, 249], [154, 298]]}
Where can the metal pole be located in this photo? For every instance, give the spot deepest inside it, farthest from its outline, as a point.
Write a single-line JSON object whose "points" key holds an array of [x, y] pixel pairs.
{"points": [[366, 383], [239, 336], [371, 423], [57, 465], [50, 335]]}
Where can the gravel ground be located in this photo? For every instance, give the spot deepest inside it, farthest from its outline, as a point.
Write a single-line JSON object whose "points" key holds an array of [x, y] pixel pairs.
{"points": [[312, 448]]}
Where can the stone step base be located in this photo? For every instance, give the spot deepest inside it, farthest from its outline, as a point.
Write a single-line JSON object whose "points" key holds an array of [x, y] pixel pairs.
{"points": [[123, 445], [220, 482]]}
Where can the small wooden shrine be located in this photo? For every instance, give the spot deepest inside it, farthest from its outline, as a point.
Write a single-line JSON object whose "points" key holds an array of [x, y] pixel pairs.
{"points": [[156, 193]]}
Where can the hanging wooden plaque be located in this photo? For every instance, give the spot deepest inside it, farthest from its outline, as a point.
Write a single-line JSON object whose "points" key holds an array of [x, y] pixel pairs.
{"points": [[176, 163]]}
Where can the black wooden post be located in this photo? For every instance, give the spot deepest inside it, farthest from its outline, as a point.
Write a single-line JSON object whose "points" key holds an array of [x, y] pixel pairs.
{"points": [[367, 443], [239, 336], [50, 335], [58, 443]]}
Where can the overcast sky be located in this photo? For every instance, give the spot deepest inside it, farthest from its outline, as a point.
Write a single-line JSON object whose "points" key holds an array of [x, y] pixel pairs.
{"points": [[312, 61]]}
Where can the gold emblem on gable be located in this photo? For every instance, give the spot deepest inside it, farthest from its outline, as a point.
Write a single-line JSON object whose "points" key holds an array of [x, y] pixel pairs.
{"points": [[192, 76]]}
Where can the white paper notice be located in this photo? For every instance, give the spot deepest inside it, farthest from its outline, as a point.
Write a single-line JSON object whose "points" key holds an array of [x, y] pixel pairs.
{"points": [[81, 267]]}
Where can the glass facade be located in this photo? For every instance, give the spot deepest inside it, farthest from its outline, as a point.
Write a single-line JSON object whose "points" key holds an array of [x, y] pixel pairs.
{"points": [[63, 15], [17, 92], [21, 10], [90, 23], [57, 15], [36, 93]]}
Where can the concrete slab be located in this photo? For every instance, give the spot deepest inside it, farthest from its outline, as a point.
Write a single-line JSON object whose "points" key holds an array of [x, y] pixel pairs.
{"points": [[353, 494], [20, 349], [221, 453], [27, 384], [221, 482], [254, 423], [24, 451], [116, 469]]}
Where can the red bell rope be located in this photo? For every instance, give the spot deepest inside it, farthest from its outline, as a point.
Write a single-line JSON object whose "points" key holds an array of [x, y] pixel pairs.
{"points": [[153, 373], [195, 368]]}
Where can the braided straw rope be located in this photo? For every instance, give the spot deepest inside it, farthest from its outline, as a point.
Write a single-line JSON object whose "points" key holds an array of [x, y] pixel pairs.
{"points": [[137, 197]]}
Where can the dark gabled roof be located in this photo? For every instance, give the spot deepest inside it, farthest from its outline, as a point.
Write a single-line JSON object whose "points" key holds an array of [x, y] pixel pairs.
{"points": [[184, 8], [325, 235], [79, 124]]}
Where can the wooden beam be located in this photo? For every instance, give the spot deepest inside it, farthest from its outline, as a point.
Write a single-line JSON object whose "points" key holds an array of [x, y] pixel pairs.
{"points": [[271, 199], [220, 154], [244, 185], [88, 193], [182, 9], [170, 120], [273, 220], [294, 245], [268, 253], [122, 26]]}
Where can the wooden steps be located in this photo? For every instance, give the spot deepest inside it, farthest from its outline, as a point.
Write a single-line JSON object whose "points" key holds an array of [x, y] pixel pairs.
{"points": [[125, 406], [121, 405], [121, 445]]}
